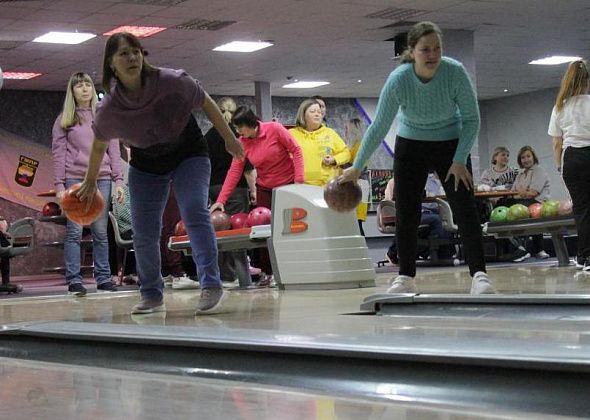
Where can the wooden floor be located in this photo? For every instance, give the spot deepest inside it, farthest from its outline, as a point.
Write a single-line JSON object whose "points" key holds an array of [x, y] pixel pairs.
{"points": [[51, 391]]}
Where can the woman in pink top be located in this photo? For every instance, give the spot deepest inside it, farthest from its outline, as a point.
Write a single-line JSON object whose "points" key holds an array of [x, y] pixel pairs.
{"points": [[278, 160], [72, 142]]}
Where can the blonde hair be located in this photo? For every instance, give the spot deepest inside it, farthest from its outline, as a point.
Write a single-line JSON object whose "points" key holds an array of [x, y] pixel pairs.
{"points": [[353, 131], [69, 116], [228, 107], [415, 33], [497, 150], [573, 83], [300, 118]]}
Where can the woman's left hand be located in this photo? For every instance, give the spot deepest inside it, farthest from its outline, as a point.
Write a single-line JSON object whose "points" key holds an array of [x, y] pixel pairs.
{"points": [[460, 174], [120, 195], [329, 160]]}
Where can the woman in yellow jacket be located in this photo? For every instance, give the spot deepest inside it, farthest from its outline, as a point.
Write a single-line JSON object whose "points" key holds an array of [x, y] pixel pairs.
{"points": [[323, 149]]}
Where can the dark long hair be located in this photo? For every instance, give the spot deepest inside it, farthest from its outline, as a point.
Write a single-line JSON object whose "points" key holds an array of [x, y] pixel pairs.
{"points": [[111, 47], [244, 116]]}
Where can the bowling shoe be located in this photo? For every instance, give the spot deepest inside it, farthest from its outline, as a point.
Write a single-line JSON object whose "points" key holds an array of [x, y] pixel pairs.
{"points": [[482, 285], [402, 284]]}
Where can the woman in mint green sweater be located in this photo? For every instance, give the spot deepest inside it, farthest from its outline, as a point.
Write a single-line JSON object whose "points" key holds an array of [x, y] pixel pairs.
{"points": [[439, 122]]}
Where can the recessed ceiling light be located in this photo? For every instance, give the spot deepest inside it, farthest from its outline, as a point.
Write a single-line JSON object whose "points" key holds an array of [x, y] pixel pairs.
{"points": [[505, 90], [243, 46], [359, 81], [17, 75], [64, 37], [555, 59], [305, 85], [138, 31]]}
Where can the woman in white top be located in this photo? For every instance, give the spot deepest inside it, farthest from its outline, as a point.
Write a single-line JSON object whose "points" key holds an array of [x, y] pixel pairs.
{"points": [[570, 129], [499, 174]]}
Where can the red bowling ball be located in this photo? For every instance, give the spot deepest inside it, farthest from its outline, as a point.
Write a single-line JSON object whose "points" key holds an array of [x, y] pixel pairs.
{"points": [[51, 209], [535, 210], [75, 209], [259, 216], [220, 220], [342, 197], [238, 220]]}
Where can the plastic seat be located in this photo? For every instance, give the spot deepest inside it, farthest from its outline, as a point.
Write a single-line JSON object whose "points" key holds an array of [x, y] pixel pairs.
{"points": [[125, 244], [21, 242]]}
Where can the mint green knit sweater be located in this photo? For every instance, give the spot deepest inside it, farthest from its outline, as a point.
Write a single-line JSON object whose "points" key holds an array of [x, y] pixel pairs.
{"points": [[444, 108]]}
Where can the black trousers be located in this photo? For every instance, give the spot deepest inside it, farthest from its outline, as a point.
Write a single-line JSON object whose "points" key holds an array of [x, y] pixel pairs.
{"points": [[413, 160], [576, 174]]}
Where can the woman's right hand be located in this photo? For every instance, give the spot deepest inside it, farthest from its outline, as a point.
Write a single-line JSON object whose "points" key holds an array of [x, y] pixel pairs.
{"points": [[349, 174], [216, 206], [86, 193]]}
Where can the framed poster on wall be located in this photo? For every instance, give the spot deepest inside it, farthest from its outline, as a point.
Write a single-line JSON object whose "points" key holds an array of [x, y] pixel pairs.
{"points": [[378, 179]]}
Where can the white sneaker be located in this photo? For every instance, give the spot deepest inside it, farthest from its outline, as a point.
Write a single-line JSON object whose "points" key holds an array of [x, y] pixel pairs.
{"points": [[482, 285], [541, 255], [168, 280], [402, 284], [183, 282]]}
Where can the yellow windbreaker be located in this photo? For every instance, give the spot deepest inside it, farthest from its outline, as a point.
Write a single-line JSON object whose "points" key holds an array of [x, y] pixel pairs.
{"points": [[315, 145]]}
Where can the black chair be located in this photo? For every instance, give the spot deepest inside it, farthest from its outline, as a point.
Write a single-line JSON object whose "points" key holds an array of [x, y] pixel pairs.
{"points": [[21, 241]]}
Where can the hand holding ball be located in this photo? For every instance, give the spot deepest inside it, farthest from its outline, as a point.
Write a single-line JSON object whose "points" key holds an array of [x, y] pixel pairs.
{"points": [[342, 197], [75, 209]]}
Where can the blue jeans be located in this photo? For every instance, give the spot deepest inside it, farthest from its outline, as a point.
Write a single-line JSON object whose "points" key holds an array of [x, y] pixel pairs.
{"points": [[149, 194], [100, 242]]}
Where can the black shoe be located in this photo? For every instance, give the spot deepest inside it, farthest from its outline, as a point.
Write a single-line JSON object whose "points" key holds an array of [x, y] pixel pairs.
{"points": [[77, 289], [586, 266], [580, 262], [107, 286], [520, 255]]}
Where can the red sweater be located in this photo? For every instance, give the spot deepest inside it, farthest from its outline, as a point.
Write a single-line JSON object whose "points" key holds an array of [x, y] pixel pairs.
{"points": [[274, 153]]}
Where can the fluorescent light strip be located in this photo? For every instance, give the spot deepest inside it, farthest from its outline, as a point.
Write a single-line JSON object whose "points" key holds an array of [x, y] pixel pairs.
{"points": [[554, 60], [138, 31], [305, 85], [70, 38], [16, 75], [243, 46]]}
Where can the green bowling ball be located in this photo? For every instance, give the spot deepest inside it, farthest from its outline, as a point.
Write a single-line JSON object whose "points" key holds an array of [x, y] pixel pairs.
{"points": [[550, 208], [499, 214], [517, 212]]}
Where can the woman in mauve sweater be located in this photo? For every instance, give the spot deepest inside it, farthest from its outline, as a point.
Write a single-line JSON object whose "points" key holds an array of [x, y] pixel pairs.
{"points": [[71, 146], [439, 122], [151, 109], [278, 160]]}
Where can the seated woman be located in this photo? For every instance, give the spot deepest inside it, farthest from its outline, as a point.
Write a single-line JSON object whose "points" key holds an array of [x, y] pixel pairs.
{"points": [[532, 186], [323, 149], [500, 176]]}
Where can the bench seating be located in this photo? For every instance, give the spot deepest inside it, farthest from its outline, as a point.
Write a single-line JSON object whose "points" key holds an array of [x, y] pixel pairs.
{"points": [[557, 227]]}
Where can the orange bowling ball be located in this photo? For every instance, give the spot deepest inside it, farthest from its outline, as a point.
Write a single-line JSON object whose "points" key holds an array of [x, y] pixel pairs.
{"points": [[75, 209], [342, 197]]}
